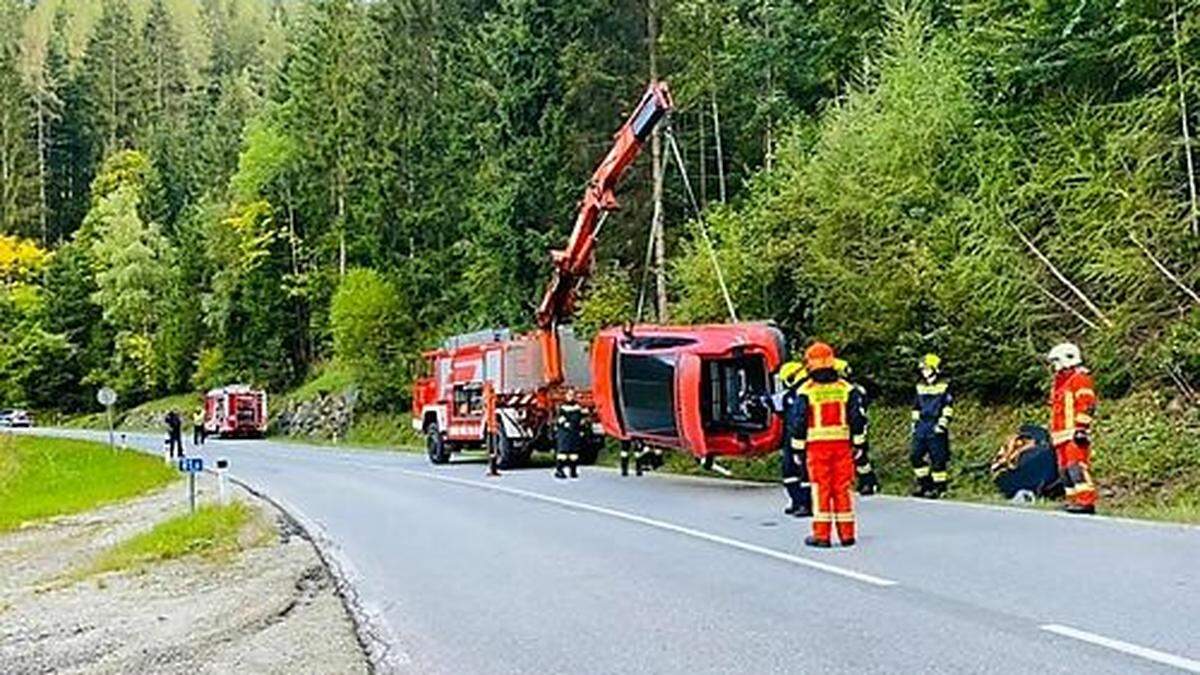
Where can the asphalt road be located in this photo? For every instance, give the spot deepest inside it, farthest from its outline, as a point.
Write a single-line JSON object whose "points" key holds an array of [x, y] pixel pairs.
{"points": [[525, 574]]}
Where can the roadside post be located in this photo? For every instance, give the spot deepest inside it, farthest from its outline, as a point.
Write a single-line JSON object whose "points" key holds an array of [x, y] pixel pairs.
{"points": [[191, 466], [222, 469], [107, 397]]}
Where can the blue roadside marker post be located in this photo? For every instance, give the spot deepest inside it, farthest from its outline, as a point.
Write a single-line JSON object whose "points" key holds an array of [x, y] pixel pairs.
{"points": [[191, 466]]}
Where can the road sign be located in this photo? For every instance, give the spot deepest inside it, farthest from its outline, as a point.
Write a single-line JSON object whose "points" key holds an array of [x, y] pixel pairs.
{"points": [[107, 397], [191, 464]]}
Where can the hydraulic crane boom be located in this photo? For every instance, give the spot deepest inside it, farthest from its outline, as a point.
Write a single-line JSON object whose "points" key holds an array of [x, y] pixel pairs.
{"points": [[573, 264]]}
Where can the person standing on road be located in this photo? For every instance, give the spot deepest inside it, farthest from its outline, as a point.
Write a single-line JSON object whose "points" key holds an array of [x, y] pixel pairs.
{"points": [[793, 461], [198, 428], [174, 434], [931, 413], [833, 430], [1072, 405], [568, 437], [868, 481]]}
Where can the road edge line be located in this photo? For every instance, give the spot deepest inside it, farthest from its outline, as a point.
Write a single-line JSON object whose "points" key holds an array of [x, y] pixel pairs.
{"points": [[662, 525], [1163, 658], [379, 642]]}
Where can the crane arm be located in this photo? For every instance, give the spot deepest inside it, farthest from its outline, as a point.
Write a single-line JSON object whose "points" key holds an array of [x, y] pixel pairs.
{"points": [[572, 265]]}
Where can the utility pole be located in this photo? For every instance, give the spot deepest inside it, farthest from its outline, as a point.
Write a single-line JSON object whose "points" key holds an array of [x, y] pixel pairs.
{"points": [[656, 227]]}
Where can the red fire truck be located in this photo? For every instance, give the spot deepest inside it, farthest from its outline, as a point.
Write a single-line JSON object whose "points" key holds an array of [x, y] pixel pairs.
{"points": [[493, 388], [235, 411]]}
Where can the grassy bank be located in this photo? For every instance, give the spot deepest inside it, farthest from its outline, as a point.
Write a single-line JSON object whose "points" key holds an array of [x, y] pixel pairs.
{"points": [[1147, 456], [213, 532], [44, 477]]}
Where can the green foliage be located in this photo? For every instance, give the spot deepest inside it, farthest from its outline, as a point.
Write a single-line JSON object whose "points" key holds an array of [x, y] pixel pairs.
{"points": [[42, 477], [371, 335], [610, 301]]}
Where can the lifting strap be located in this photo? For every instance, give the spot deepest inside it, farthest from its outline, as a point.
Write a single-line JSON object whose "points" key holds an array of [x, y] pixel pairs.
{"points": [[712, 251]]}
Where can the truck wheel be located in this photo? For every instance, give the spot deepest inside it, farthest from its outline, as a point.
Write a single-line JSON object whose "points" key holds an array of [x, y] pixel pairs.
{"points": [[508, 454], [435, 445]]}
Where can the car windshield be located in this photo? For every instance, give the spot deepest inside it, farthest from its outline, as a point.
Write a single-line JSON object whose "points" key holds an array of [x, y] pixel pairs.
{"points": [[647, 385]]}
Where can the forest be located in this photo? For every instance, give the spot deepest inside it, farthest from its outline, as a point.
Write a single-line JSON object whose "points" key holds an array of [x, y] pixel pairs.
{"points": [[196, 192]]}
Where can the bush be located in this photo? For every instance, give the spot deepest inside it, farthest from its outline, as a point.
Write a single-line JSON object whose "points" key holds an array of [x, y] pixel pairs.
{"points": [[372, 332]]}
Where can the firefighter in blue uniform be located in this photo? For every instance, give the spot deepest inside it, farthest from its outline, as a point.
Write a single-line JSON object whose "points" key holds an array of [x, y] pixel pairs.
{"points": [[931, 413], [568, 427], [793, 463], [867, 482]]}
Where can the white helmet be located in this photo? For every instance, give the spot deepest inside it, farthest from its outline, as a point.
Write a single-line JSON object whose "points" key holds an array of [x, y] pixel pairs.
{"points": [[1065, 355]]}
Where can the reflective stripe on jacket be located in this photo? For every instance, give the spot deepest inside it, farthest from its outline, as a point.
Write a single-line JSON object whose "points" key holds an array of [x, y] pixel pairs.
{"points": [[1072, 404]]}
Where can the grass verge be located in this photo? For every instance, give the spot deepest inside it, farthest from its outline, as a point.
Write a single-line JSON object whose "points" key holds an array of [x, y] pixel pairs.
{"points": [[213, 532], [46, 477]]}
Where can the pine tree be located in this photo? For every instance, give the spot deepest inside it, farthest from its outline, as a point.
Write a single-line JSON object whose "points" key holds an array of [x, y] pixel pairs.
{"points": [[166, 137], [113, 77], [18, 158]]}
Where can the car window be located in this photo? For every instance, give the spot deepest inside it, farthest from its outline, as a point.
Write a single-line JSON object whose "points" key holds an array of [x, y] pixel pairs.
{"points": [[647, 386]]}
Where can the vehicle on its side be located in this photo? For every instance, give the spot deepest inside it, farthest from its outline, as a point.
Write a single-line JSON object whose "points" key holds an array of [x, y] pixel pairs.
{"points": [[690, 388], [235, 411], [15, 418]]}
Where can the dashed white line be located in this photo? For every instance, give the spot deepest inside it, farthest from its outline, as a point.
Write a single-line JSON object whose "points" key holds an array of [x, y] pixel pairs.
{"points": [[662, 525], [1134, 650]]}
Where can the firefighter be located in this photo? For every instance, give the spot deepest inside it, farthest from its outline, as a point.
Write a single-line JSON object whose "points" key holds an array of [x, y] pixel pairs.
{"points": [[931, 413], [833, 429], [793, 462], [174, 434], [568, 437], [643, 457], [198, 428], [1072, 405], [867, 481]]}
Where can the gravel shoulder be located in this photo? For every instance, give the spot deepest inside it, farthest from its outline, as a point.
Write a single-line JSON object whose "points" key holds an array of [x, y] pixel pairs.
{"points": [[272, 608]]}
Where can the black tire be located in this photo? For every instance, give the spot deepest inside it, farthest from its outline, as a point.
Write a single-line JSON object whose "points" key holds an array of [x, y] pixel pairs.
{"points": [[509, 455], [436, 446]]}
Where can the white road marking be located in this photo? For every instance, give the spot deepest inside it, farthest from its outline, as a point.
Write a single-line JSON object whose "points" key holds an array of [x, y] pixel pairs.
{"points": [[1132, 649], [662, 525]]}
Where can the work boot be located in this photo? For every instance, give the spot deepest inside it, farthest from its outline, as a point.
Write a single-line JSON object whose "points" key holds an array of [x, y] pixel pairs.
{"points": [[848, 542], [624, 464], [802, 511], [817, 543], [574, 470], [1080, 509], [924, 488], [558, 471]]}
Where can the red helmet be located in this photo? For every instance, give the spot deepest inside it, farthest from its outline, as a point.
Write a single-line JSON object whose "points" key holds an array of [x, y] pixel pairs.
{"points": [[819, 356]]}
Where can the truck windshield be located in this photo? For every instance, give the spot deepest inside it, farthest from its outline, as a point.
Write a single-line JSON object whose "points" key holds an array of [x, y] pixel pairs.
{"points": [[647, 386]]}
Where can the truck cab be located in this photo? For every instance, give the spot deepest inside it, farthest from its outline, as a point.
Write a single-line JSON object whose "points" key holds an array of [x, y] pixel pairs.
{"points": [[689, 387]]}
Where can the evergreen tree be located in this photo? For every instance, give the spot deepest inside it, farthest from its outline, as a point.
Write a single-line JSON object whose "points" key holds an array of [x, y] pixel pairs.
{"points": [[18, 158], [114, 83]]}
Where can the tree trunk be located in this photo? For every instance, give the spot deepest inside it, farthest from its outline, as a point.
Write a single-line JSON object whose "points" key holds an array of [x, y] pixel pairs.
{"points": [[716, 118], [703, 172], [43, 206], [656, 226], [1183, 123]]}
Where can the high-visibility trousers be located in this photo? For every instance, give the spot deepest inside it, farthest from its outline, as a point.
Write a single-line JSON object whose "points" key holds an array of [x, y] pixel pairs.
{"points": [[794, 467], [1075, 468], [831, 470]]}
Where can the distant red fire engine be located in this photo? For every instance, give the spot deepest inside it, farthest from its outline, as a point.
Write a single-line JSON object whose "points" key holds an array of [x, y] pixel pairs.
{"points": [[235, 411]]}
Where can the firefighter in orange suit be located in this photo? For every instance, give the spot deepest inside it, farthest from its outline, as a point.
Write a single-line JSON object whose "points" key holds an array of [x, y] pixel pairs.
{"points": [[1072, 405], [835, 429]]}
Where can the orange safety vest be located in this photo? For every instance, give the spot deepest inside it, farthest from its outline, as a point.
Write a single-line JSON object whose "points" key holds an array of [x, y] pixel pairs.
{"points": [[1072, 404]]}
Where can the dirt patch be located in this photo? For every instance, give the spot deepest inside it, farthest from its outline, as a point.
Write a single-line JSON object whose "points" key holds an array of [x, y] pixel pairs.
{"points": [[272, 608]]}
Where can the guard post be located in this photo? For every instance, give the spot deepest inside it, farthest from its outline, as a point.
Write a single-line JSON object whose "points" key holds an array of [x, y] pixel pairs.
{"points": [[222, 481]]}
